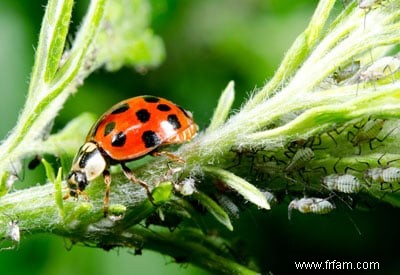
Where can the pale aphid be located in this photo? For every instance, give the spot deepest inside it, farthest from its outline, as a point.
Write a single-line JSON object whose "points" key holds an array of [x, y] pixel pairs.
{"points": [[300, 159], [13, 233], [186, 187], [383, 174], [344, 183], [310, 205], [229, 206], [345, 72], [381, 68], [368, 5], [270, 197]]}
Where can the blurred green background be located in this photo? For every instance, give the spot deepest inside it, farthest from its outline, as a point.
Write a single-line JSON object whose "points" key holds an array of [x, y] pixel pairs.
{"points": [[208, 43]]}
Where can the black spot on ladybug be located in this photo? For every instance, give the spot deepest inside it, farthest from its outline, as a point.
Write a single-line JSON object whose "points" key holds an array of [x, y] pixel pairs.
{"points": [[143, 115], [109, 127], [150, 139], [173, 120], [151, 99], [118, 140], [163, 107], [121, 108], [185, 112]]}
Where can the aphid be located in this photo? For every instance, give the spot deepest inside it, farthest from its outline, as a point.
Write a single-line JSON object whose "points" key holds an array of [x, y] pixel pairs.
{"points": [[14, 172], [344, 183], [302, 143], [310, 205], [186, 187], [271, 198], [300, 159], [381, 68], [130, 130], [368, 5], [13, 232], [229, 206], [367, 133], [383, 175], [346, 72], [302, 154]]}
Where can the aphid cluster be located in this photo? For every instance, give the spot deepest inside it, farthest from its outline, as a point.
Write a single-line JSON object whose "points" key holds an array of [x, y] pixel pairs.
{"points": [[306, 165], [357, 73]]}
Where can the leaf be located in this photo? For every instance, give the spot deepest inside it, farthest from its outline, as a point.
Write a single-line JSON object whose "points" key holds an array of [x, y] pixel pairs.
{"points": [[246, 189], [59, 33], [224, 105], [49, 171], [58, 196]]}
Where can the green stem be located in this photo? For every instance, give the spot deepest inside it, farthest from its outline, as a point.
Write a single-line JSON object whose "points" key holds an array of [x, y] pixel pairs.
{"points": [[46, 98], [56, 11]]}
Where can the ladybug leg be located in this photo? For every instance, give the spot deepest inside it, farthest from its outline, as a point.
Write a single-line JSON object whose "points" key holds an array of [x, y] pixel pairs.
{"points": [[168, 154], [107, 181], [66, 197], [129, 174]]}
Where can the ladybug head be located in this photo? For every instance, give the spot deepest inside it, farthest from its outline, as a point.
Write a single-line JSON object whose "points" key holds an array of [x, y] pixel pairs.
{"points": [[88, 164]]}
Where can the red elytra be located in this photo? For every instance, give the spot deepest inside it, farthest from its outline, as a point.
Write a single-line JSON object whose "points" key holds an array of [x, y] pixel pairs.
{"points": [[136, 126]]}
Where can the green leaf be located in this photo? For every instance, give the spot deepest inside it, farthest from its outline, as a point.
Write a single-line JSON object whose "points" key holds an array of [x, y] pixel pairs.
{"points": [[224, 106], [58, 196], [49, 171], [246, 189], [59, 33], [44, 101], [51, 43]]}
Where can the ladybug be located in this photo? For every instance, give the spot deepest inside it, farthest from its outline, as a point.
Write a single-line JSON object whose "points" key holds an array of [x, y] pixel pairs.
{"points": [[129, 130]]}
